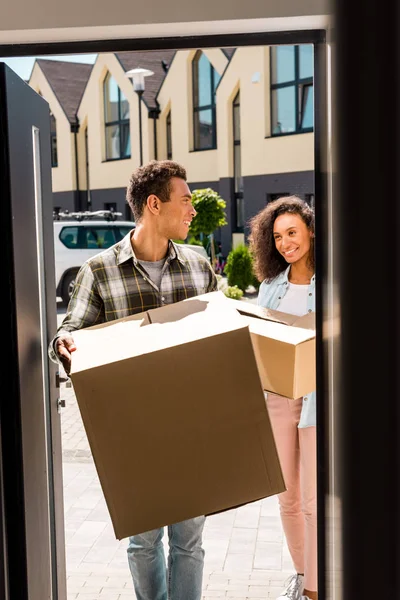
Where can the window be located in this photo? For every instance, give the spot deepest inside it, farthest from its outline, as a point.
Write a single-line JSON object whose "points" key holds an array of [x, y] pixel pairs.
{"points": [[272, 197], [116, 116], [237, 167], [88, 237], [100, 237], [69, 237], [169, 136], [111, 206], [205, 81], [53, 141], [292, 91], [122, 231]]}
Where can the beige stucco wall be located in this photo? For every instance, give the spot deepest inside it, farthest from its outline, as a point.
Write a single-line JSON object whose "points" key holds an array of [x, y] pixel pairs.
{"points": [[63, 176], [115, 173], [176, 95], [248, 71], [261, 154]]}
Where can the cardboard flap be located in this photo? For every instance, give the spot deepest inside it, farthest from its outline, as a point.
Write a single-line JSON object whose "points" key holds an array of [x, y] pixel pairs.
{"points": [[253, 310], [306, 321], [247, 308], [210, 303], [278, 331], [94, 345], [128, 338], [142, 317]]}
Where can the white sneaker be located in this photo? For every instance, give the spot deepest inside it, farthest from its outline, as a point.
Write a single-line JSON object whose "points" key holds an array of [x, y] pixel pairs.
{"points": [[305, 598], [293, 589]]}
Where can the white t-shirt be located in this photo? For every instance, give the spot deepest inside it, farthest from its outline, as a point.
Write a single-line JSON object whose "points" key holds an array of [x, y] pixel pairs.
{"points": [[294, 301]]}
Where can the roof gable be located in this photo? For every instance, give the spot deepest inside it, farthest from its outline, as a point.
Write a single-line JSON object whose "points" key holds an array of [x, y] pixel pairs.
{"points": [[228, 52], [68, 81], [152, 60]]}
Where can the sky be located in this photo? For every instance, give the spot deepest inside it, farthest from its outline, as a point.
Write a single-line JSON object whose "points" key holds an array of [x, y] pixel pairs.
{"points": [[22, 66]]}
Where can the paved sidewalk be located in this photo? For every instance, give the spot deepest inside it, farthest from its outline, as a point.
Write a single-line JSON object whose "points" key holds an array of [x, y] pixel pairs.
{"points": [[246, 557]]}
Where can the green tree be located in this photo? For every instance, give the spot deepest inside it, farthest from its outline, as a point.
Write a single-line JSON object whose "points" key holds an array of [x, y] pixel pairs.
{"points": [[210, 208], [239, 267]]}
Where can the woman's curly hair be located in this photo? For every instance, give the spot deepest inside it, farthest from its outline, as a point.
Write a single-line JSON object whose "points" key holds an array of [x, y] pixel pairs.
{"points": [[268, 262]]}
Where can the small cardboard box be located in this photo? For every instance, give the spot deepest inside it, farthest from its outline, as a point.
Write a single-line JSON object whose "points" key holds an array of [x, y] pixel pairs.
{"points": [[175, 414], [284, 346]]}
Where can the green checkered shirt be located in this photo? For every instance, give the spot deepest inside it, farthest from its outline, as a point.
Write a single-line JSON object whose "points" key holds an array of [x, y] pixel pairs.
{"points": [[113, 284]]}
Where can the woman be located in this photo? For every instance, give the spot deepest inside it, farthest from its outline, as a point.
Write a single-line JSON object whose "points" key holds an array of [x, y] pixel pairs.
{"points": [[282, 242]]}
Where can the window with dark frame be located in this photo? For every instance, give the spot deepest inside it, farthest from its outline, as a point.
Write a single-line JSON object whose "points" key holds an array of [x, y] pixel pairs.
{"points": [[116, 118], [205, 81], [53, 141], [237, 167], [292, 89], [169, 136]]}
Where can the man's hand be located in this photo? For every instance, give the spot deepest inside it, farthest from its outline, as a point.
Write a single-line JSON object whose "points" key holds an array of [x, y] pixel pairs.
{"points": [[64, 347]]}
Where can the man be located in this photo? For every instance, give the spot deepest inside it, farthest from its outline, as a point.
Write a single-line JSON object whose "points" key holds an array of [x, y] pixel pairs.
{"points": [[146, 270]]}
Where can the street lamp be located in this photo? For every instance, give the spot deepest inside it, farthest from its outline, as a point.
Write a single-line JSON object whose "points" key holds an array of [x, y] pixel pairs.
{"points": [[137, 76]]}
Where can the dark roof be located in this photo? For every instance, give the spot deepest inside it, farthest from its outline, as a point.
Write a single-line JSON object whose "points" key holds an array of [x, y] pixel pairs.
{"points": [[151, 60], [68, 81], [228, 52]]}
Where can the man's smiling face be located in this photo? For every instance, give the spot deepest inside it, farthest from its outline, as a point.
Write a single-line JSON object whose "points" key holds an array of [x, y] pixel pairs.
{"points": [[176, 215]]}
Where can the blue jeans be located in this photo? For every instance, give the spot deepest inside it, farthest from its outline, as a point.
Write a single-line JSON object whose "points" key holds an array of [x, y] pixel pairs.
{"points": [[184, 576]]}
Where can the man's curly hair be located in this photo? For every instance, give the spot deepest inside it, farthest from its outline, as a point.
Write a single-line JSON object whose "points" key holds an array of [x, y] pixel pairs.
{"points": [[152, 178], [268, 262]]}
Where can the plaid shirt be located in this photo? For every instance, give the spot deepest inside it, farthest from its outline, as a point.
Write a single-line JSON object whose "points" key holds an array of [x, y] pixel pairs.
{"points": [[113, 284]]}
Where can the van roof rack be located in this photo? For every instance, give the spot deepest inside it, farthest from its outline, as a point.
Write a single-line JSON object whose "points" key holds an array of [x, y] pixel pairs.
{"points": [[107, 215]]}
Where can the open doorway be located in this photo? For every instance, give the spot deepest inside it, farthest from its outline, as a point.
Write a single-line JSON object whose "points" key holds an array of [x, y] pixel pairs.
{"points": [[232, 136]]}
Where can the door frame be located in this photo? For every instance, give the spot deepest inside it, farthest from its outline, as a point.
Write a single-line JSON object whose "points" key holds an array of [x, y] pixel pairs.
{"points": [[318, 38]]}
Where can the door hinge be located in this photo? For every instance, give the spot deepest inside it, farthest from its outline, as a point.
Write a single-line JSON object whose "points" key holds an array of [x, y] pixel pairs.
{"points": [[61, 379], [60, 404]]}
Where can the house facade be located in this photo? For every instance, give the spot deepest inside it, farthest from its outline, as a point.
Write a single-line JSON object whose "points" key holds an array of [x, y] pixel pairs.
{"points": [[240, 121]]}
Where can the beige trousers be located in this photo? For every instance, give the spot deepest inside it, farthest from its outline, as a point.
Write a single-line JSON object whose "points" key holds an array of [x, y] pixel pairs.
{"points": [[298, 505]]}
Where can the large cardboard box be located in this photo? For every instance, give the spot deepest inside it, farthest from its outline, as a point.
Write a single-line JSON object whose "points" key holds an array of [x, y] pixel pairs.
{"points": [[284, 346], [175, 414]]}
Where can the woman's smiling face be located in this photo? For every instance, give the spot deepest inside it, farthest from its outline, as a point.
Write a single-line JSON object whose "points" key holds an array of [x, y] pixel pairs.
{"points": [[292, 237]]}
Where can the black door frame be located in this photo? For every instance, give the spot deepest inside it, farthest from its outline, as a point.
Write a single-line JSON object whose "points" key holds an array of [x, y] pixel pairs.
{"points": [[29, 420]]}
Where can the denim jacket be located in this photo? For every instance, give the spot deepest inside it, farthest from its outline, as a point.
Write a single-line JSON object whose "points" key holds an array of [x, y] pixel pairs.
{"points": [[269, 296]]}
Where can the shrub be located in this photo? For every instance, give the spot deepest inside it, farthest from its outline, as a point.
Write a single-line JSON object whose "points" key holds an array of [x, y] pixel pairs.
{"points": [[194, 241], [222, 282], [239, 267], [210, 209], [232, 291]]}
